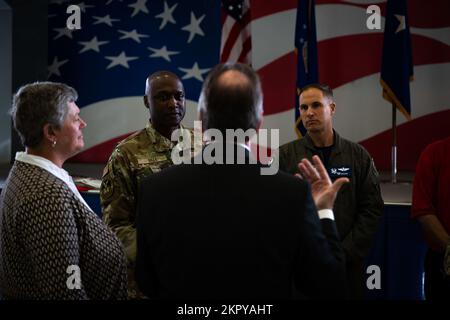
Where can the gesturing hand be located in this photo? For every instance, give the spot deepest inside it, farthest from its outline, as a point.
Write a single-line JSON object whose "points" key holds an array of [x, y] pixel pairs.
{"points": [[323, 191]]}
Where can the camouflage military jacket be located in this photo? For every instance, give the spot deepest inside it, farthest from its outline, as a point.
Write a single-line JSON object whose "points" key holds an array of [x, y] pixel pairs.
{"points": [[134, 158]]}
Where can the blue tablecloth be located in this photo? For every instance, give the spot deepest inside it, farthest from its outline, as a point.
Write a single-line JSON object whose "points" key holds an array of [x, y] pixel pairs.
{"points": [[399, 250]]}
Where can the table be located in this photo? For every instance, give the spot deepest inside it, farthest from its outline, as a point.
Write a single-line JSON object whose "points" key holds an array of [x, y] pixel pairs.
{"points": [[399, 250]]}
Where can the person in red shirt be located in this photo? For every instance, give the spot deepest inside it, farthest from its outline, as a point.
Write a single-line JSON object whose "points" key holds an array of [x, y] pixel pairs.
{"points": [[431, 207]]}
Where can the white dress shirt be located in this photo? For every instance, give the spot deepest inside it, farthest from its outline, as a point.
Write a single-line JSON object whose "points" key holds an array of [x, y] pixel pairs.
{"points": [[53, 169]]}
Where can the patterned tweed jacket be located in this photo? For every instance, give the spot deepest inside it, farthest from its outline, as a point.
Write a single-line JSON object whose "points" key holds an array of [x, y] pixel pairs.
{"points": [[51, 245]]}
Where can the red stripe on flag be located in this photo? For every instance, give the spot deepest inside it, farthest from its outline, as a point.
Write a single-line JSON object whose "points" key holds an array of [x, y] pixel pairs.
{"points": [[233, 36], [338, 66], [337, 63], [278, 81], [432, 127], [427, 51], [422, 14], [223, 17], [99, 153], [429, 14], [246, 47]]}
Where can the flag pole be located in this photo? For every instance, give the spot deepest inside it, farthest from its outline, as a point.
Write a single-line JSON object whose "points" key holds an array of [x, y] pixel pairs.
{"points": [[394, 145]]}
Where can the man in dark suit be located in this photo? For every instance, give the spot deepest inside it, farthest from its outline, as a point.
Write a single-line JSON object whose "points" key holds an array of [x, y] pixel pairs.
{"points": [[235, 232]]}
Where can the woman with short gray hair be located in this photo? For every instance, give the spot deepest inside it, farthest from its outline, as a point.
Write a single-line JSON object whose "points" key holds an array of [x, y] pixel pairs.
{"points": [[52, 245]]}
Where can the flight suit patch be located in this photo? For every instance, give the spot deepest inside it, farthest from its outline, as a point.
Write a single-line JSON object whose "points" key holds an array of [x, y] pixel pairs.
{"points": [[339, 172]]}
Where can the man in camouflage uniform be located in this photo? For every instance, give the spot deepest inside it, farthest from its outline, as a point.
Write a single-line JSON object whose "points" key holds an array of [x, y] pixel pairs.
{"points": [[143, 153]]}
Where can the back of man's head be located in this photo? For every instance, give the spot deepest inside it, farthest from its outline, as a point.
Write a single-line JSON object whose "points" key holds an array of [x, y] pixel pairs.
{"points": [[231, 98]]}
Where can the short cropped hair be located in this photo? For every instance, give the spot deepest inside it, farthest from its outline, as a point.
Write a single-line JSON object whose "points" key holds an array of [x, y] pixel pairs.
{"points": [[37, 104], [156, 74], [231, 105], [326, 90]]}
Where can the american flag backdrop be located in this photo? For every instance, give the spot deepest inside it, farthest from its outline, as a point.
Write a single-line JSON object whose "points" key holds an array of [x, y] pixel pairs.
{"points": [[121, 42], [306, 50], [236, 40]]}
